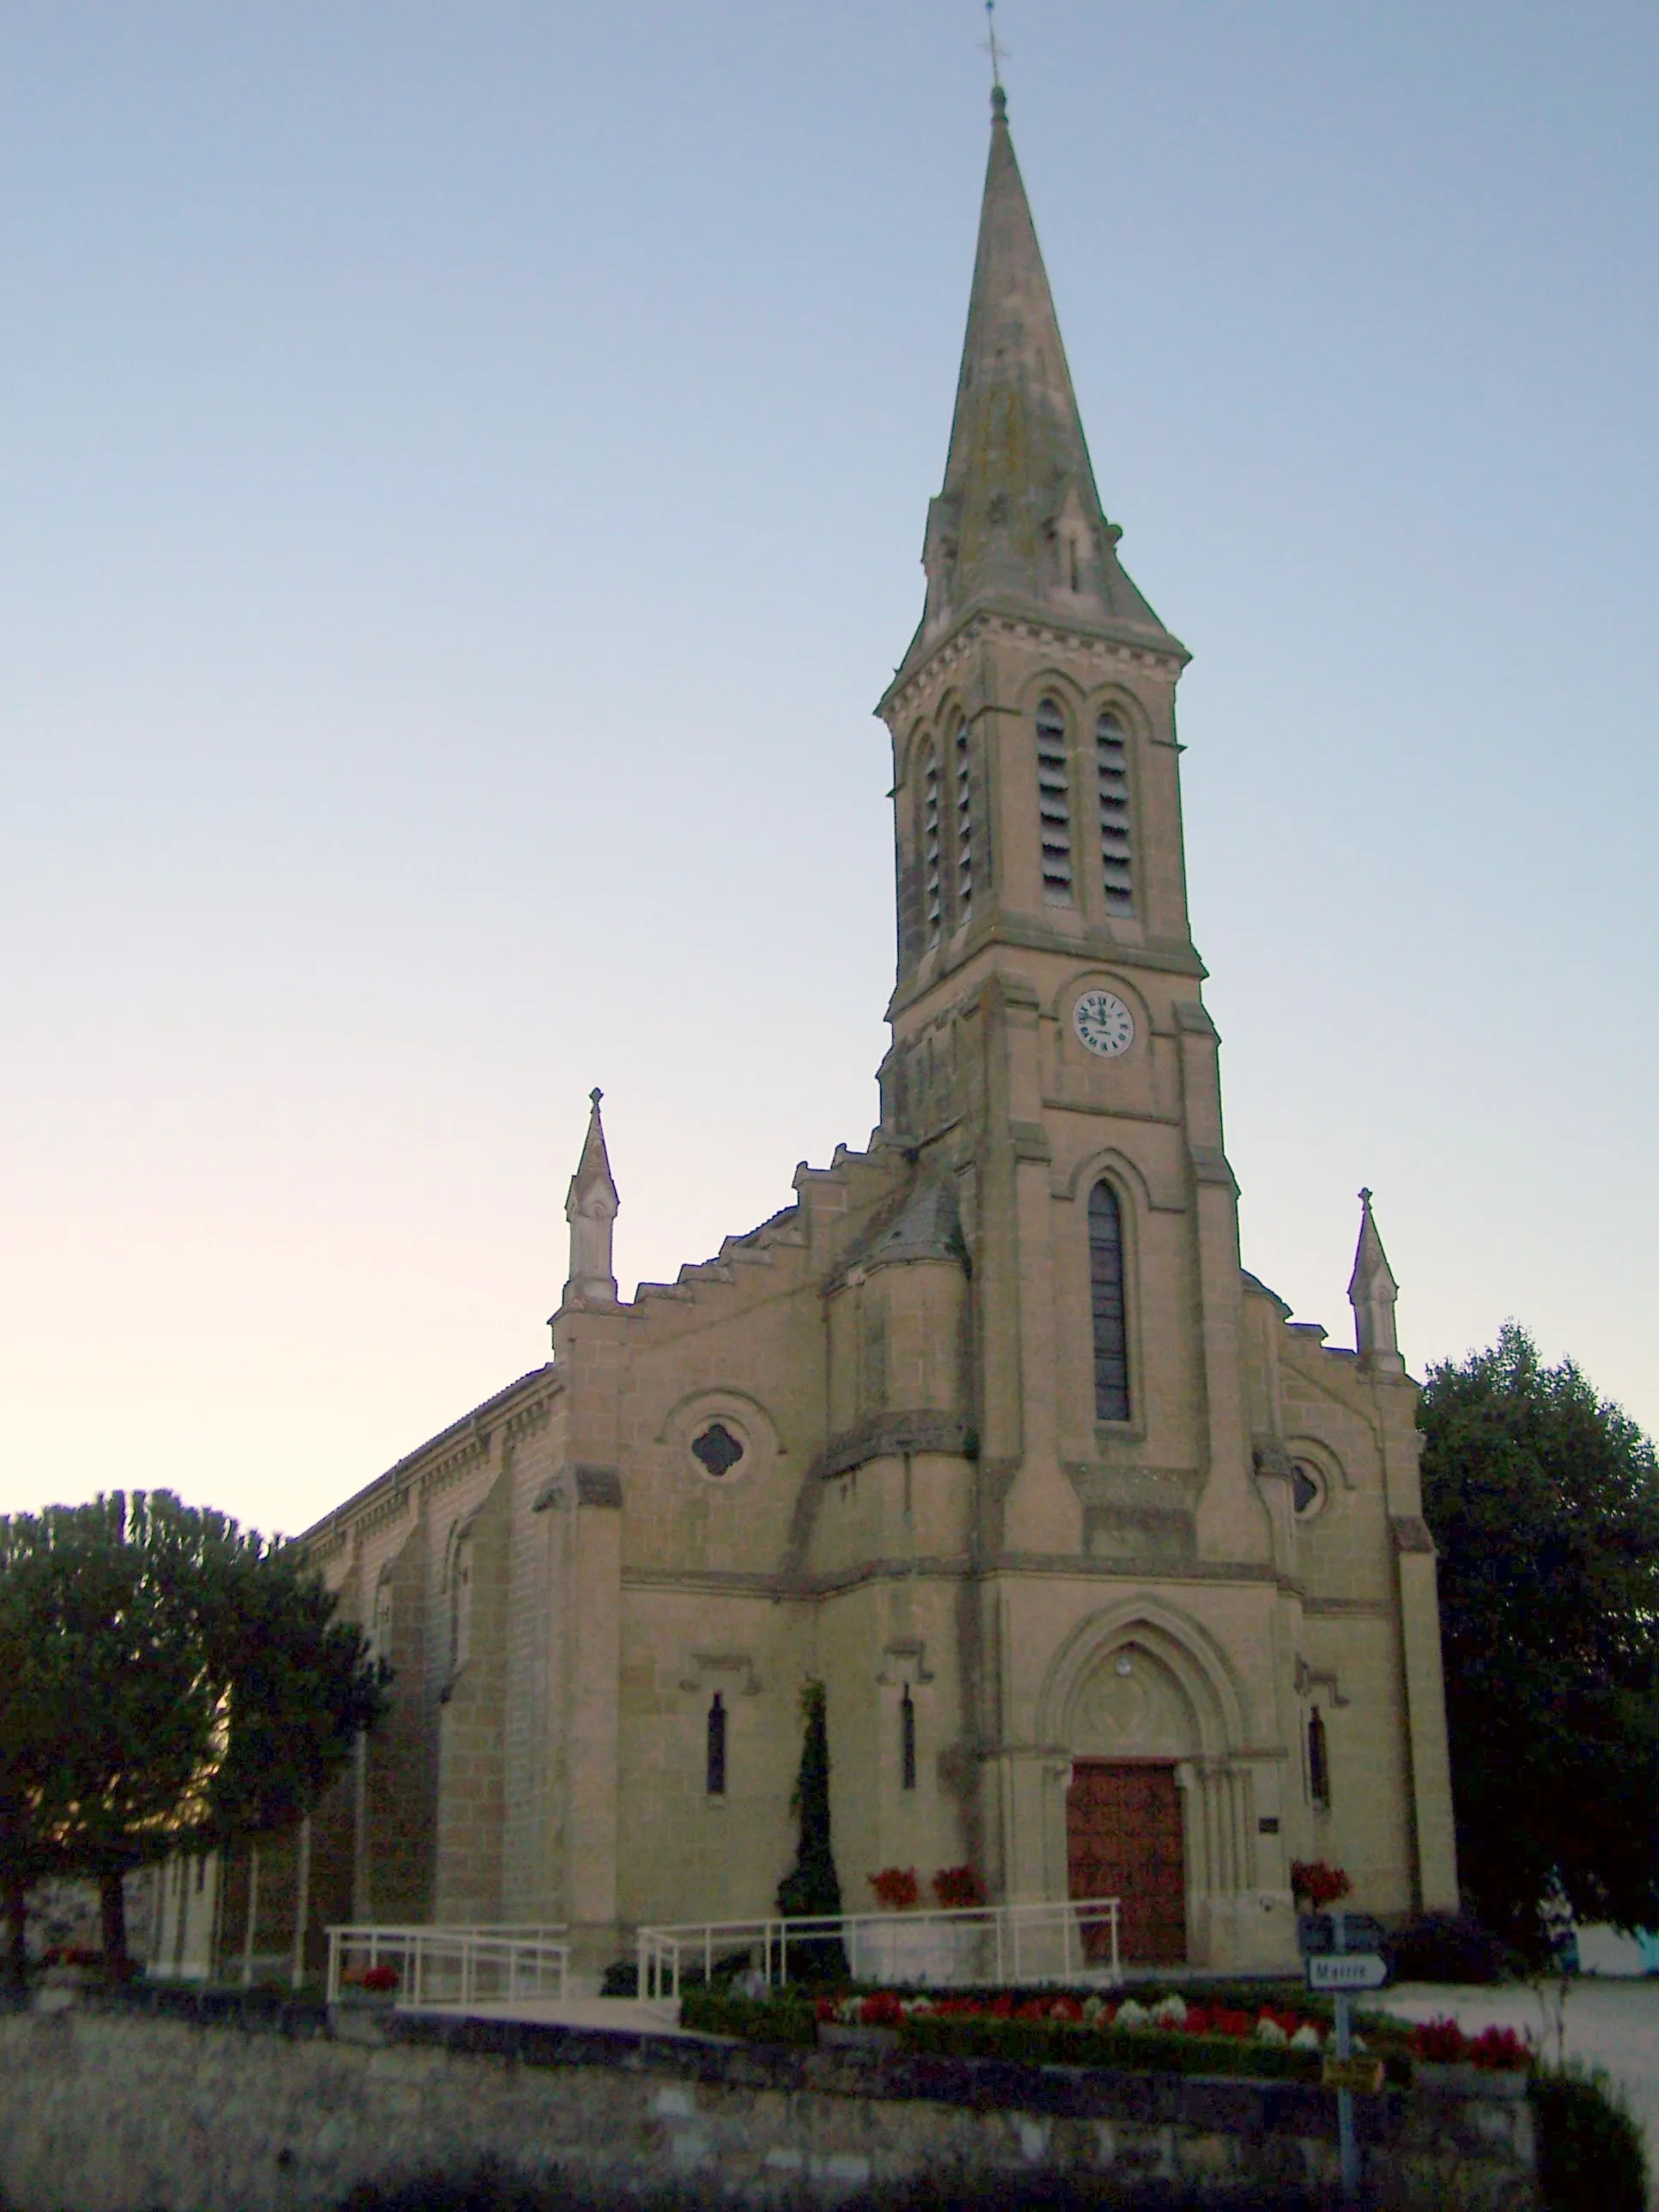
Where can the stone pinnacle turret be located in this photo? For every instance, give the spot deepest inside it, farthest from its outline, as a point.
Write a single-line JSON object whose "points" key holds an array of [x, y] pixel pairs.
{"points": [[1372, 1291], [590, 1207]]}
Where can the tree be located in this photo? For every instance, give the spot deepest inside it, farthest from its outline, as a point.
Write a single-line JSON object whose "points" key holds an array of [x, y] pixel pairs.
{"points": [[811, 1889], [180, 1683], [1544, 1502]]}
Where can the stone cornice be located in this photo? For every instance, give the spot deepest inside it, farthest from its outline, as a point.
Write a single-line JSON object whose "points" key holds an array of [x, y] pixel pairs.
{"points": [[894, 1436], [1120, 644], [1094, 951], [439, 1459]]}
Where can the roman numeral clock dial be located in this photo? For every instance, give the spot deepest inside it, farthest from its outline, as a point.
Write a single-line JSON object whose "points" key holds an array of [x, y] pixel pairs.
{"points": [[1103, 1024]]}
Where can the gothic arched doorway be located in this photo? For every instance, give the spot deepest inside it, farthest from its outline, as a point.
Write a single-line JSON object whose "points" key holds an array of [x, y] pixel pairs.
{"points": [[1131, 1726]]}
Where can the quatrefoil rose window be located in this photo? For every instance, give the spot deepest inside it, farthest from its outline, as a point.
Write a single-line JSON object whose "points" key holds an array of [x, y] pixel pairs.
{"points": [[716, 1450]]}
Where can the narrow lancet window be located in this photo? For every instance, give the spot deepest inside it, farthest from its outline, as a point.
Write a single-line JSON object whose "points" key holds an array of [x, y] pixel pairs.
{"points": [[716, 1773], [932, 863], [907, 1741], [1053, 806], [1112, 769], [1319, 1761], [1106, 1302], [964, 825]]}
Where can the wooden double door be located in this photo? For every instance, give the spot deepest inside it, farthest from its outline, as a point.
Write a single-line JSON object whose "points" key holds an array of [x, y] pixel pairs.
{"points": [[1123, 1839]]}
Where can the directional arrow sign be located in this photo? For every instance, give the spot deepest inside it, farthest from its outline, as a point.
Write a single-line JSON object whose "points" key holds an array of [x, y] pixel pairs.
{"points": [[1316, 1931], [1347, 1970]]}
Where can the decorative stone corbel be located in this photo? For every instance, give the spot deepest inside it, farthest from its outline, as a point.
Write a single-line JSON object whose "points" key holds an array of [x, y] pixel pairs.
{"points": [[706, 1666]]}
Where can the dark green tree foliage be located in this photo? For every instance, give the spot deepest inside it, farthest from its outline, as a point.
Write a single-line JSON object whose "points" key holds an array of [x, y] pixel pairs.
{"points": [[1544, 1502], [174, 1683], [811, 1888]]}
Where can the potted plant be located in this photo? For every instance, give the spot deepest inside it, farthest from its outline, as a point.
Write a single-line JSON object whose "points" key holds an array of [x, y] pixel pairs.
{"points": [[1317, 1885], [882, 1954], [374, 1985]]}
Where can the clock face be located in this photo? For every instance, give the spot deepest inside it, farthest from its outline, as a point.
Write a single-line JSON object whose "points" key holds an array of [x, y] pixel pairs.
{"points": [[1103, 1024]]}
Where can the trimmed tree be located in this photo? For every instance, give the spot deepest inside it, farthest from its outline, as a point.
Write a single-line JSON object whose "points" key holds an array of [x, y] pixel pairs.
{"points": [[186, 1686], [1544, 1501], [811, 1889]]}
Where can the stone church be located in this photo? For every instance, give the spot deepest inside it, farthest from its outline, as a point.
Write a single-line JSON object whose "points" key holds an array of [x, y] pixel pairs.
{"points": [[1116, 1575]]}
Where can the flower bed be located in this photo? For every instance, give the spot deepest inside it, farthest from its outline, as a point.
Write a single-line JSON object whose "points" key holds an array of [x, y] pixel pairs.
{"points": [[1167, 2034], [1241, 2030]]}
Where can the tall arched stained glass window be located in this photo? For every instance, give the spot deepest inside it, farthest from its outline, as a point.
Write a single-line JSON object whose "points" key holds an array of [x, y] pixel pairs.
{"points": [[1106, 1305], [1319, 1761], [715, 1775]]}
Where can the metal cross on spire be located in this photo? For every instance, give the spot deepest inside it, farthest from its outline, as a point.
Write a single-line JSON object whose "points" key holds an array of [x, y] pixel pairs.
{"points": [[991, 45]]}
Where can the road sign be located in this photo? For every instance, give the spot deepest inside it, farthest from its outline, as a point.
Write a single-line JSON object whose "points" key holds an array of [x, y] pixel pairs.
{"points": [[1316, 1932], [1347, 1970], [1360, 2077]]}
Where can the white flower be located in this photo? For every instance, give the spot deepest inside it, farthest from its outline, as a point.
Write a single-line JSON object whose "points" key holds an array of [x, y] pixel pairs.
{"points": [[1131, 2015], [1305, 2038], [1269, 2032], [918, 2006], [1360, 2043], [1093, 2008], [1170, 2012]]}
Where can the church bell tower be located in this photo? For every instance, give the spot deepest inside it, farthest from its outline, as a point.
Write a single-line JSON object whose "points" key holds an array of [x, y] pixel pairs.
{"points": [[1051, 1051]]}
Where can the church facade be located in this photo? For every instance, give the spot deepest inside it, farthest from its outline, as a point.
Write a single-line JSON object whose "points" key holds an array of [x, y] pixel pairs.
{"points": [[1114, 1575]]}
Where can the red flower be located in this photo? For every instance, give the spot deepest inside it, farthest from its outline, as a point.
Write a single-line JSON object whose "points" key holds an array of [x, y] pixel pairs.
{"points": [[1320, 1884], [882, 2010], [956, 1886], [383, 1977], [896, 1888], [1440, 2041], [1500, 2049], [1232, 2023], [1200, 2020]]}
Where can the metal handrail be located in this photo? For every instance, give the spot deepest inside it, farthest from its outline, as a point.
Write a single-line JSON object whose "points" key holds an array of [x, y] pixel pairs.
{"points": [[1019, 1939], [441, 1964]]}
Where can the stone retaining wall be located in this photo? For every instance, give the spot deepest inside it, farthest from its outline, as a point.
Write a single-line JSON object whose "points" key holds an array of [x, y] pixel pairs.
{"points": [[189, 2105]]}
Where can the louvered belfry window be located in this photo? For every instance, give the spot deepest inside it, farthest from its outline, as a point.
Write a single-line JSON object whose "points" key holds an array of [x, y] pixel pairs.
{"points": [[932, 857], [964, 825], [1112, 769], [1053, 806], [1106, 1305]]}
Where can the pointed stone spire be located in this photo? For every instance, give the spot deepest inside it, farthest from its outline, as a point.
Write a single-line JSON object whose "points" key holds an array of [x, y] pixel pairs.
{"points": [[591, 1208], [1372, 1291], [1019, 521]]}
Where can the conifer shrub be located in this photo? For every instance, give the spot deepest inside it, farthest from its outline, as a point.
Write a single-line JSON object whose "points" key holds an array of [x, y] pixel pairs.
{"points": [[1590, 2151]]}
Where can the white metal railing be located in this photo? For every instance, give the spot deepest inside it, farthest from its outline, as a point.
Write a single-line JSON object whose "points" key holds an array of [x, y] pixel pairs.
{"points": [[450, 1965], [964, 1947]]}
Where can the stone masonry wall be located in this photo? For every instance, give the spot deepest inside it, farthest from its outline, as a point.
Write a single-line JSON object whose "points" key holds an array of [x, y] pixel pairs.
{"points": [[112, 2111]]}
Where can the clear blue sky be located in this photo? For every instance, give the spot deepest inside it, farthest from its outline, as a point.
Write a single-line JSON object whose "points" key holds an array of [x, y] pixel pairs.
{"points": [[463, 492]]}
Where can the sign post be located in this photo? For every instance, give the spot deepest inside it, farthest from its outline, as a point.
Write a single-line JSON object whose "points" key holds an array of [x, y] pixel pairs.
{"points": [[1341, 1972], [1347, 2146]]}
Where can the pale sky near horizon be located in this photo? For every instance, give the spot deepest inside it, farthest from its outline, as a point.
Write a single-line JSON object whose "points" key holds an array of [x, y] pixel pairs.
{"points": [[463, 488]]}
